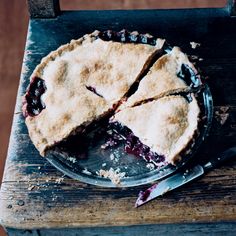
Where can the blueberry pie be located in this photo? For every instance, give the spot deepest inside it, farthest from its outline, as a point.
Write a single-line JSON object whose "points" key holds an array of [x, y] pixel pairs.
{"points": [[81, 82], [135, 80]]}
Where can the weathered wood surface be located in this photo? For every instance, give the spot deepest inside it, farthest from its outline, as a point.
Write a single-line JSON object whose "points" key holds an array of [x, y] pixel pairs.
{"points": [[43, 8], [134, 230], [31, 196]]}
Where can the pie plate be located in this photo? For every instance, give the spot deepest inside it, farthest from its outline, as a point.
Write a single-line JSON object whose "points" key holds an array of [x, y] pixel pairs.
{"points": [[135, 171]]}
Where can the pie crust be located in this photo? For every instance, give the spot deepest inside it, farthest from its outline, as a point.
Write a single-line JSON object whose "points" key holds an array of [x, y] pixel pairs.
{"points": [[162, 78], [85, 80], [128, 76], [165, 125]]}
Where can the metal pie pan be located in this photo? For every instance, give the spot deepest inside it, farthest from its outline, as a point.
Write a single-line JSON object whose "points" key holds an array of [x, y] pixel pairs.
{"points": [[135, 169]]}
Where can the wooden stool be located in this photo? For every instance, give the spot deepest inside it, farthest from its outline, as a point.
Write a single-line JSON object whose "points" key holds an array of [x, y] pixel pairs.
{"points": [[35, 200]]}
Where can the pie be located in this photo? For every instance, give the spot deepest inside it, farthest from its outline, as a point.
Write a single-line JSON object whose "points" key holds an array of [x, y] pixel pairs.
{"points": [[83, 81], [164, 125], [128, 77], [163, 77]]}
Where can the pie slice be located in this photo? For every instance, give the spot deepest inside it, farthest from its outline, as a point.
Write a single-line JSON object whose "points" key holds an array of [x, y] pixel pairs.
{"points": [[164, 77], [166, 125], [83, 81]]}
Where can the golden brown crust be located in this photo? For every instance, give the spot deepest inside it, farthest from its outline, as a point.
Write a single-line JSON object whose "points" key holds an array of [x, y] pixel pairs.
{"points": [[108, 67], [165, 125], [162, 78]]}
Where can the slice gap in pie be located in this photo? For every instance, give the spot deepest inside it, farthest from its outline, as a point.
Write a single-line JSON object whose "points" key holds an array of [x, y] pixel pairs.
{"points": [[82, 82], [172, 73], [159, 131]]}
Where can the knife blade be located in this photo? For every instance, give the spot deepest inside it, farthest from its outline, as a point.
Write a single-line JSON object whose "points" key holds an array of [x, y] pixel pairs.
{"points": [[183, 177]]}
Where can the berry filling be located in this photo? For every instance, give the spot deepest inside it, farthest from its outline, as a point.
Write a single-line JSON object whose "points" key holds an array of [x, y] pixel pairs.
{"points": [[144, 195], [126, 37], [189, 76], [33, 103], [132, 145]]}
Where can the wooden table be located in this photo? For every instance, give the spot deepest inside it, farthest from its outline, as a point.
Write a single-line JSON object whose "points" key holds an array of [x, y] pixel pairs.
{"points": [[35, 201]]}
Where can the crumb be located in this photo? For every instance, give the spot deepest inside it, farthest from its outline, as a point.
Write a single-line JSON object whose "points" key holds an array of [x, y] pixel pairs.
{"points": [[114, 175], [224, 109], [158, 164], [85, 171], [109, 132], [31, 187], [150, 166], [222, 115], [59, 180], [104, 164], [39, 167], [112, 156], [115, 156], [221, 118], [194, 45], [72, 159], [108, 144]]}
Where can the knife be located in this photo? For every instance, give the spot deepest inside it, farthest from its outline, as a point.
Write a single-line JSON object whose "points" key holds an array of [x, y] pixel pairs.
{"points": [[183, 177]]}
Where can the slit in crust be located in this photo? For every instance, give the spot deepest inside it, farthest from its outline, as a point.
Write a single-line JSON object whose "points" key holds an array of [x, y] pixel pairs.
{"points": [[170, 72]]}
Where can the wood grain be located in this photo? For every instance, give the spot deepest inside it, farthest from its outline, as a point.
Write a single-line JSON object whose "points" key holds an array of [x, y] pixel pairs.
{"points": [[12, 40], [43, 8], [147, 230], [31, 196], [138, 4]]}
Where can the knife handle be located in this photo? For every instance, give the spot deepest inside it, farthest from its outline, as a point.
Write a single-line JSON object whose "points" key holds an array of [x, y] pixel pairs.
{"points": [[223, 157]]}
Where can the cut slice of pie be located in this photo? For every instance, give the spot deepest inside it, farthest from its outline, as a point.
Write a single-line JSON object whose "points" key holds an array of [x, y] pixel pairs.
{"points": [[83, 81], [167, 75], [166, 125]]}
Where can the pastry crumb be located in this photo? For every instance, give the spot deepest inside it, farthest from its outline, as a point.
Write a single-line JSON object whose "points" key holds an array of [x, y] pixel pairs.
{"points": [[224, 109], [221, 118], [112, 156], [194, 45], [114, 175], [222, 115], [85, 171], [72, 159], [59, 180], [31, 187], [115, 156], [150, 166]]}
